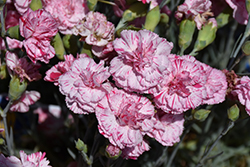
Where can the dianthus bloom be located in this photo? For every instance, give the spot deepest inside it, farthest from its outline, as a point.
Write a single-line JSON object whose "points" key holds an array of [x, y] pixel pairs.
{"points": [[142, 60], [168, 128], [37, 159], [22, 68], [198, 10], [11, 161], [57, 70], [190, 84], [240, 12], [124, 118], [38, 27], [22, 5], [241, 90], [22, 104], [83, 85], [95, 29], [66, 12]]}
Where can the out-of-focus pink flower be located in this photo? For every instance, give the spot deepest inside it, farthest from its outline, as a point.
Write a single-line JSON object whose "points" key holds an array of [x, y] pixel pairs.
{"points": [[51, 111], [168, 128], [37, 159], [241, 90], [11, 161], [66, 12], [124, 118], [135, 151], [12, 16], [22, 67], [106, 52], [22, 5], [83, 85], [183, 88], [218, 6], [120, 7], [95, 29], [198, 10], [240, 12], [38, 27], [57, 70], [141, 61], [28, 98]]}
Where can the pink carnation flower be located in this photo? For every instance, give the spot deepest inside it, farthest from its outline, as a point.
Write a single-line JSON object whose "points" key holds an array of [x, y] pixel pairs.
{"points": [[183, 88], [168, 128], [22, 68], [37, 159], [38, 27], [241, 90], [22, 104], [12, 16], [12, 43], [66, 12], [240, 12], [22, 5], [124, 118], [198, 10], [135, 151], [82, 85], [142, 60], [95, 29]]}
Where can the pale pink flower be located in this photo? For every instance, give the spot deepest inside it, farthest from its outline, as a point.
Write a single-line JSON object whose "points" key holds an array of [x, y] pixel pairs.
{"points": [[38, 27], [11, 161], [12, 43], [241, 90], [37, 159], [95, 29], [51, 111], [82, 85], [240, 12], [142, 59], [124, 118], [22, 68], [22, 104], [57, 70], [106, 53], [22, 5], [183, 88], [67, 13], [198, 10], [168, 128], [135, 151]]}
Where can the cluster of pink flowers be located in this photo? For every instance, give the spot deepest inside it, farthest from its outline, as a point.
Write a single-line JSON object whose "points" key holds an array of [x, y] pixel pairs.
{"points": [[37, 159], [143, 64]]}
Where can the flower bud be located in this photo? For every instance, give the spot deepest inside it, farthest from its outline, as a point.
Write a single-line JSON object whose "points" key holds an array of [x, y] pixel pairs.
{"points": [[2, 3], [164, 18], [223, 18], [246, 48], [248, 6], [2, 142], [16, 88], [201, 114], [91, 4], [152, 19], [13, 32], [206, 35], [81, 146], [36, 4], [187, 28], [112, 152], [3, 71], [136, 10], [57, 43], [233, 112]]}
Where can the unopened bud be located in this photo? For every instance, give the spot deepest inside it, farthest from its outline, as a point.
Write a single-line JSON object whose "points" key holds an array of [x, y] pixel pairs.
{"points": [[201, 114], [223, 18], [36, 4], [136, 10], [164, 18], [3, 71], [152, 19], [112, 151], [187, 28], [81, 146], [16, 88], [206, 35], [57, 43], [91, 4], [233, 112], [246, 48]]}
